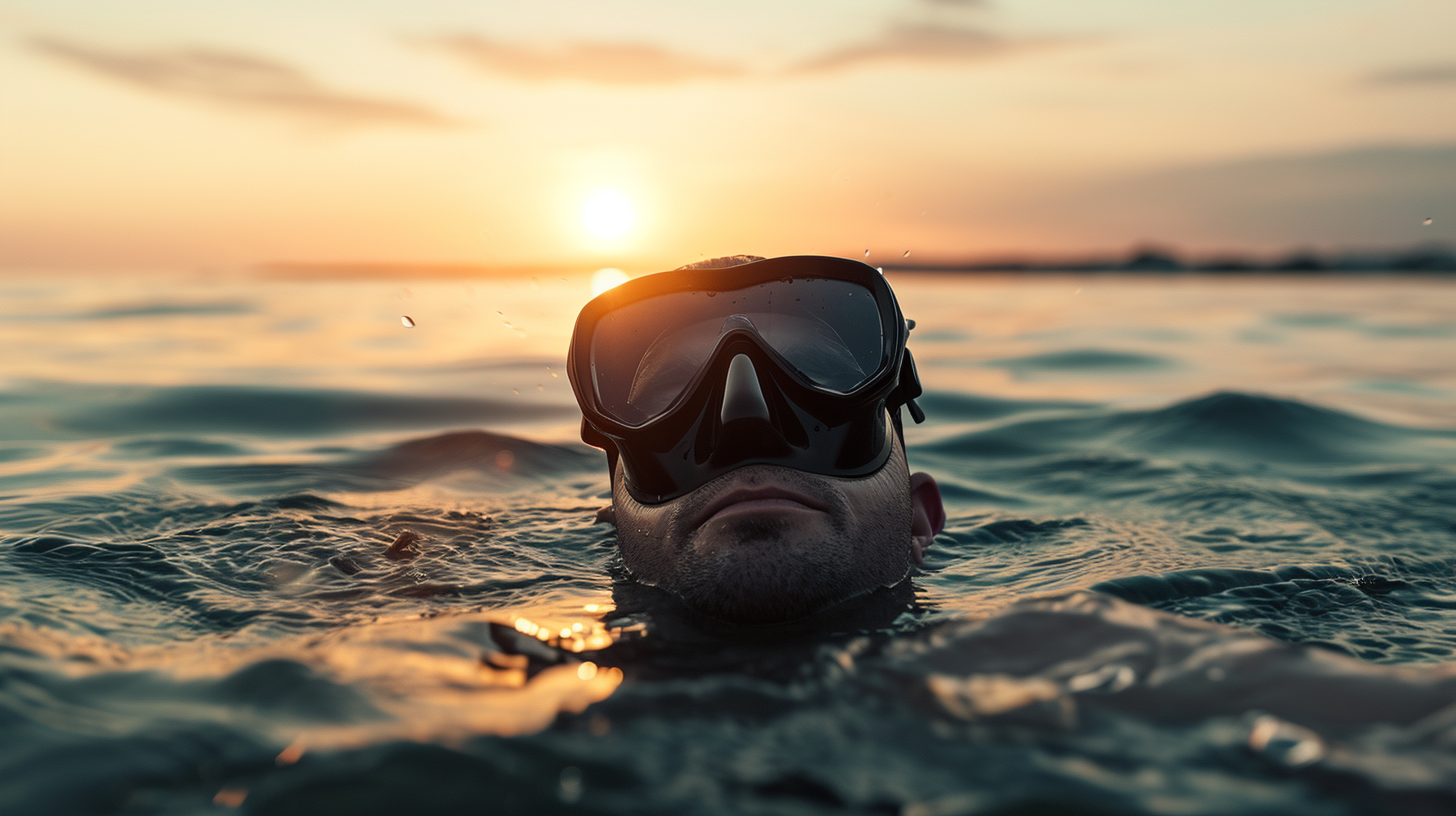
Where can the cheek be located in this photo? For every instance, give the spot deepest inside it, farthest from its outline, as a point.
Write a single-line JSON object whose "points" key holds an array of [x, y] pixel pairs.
{"points": [[644, 537], [882, 500]]}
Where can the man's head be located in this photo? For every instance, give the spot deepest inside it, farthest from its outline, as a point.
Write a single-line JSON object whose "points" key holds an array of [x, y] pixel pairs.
{"points": [[751, 421]]}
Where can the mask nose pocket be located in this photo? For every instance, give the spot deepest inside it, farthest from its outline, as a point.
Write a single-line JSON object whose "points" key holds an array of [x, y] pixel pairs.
{"points": [[742, 393], [745, 428]]}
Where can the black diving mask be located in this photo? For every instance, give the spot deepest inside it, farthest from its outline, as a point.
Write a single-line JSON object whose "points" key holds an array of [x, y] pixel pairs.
{"points": [[689, 374]]}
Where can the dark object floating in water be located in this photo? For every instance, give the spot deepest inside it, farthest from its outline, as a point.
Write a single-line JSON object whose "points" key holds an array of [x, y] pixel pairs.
{"points": [[406, 546]]}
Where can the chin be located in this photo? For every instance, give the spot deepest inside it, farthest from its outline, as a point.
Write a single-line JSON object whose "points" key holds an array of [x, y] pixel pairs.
{"points": [[771, 575]]}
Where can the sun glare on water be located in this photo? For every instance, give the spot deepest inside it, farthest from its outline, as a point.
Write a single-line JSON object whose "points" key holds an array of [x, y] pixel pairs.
{"points": [[608, 215], [604, 279]]}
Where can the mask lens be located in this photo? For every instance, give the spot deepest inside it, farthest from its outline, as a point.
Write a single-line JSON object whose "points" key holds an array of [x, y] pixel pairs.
{"points": [[645, 354]]}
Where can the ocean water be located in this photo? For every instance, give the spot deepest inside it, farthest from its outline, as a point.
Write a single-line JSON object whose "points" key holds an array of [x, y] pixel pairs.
{"points": [[266, 548]]}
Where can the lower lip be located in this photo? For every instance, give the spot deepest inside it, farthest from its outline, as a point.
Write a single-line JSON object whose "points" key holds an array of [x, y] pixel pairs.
{"points": [[761, 507]]}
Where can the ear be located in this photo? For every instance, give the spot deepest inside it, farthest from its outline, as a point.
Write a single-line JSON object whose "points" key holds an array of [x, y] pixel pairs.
{"points": [[928, 513]]}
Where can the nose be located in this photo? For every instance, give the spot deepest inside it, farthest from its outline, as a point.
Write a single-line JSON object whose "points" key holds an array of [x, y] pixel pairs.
{"points": [[742, 394]]}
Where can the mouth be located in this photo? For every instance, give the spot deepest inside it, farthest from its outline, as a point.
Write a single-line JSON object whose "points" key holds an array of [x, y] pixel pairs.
{"points": [[756, 500]]}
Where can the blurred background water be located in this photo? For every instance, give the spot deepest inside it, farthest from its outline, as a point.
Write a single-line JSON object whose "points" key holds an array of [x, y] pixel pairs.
{"points": [[265, 545]]}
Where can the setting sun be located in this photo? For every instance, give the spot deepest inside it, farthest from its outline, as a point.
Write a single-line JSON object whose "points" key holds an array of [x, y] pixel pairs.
{"points": [[608, 214]]}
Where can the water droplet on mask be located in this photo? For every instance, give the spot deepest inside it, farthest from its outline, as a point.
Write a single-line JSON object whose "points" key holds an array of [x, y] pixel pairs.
{"points": [[880, 269], [551, 371], [711, 294], [515, 390], [906, 255], [867, 253], [540, 387], [407, 321], [1427, 222]]}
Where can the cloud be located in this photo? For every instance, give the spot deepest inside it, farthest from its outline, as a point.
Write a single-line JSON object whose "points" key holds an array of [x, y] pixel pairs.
{"points": [[590, 62], [1372, 196], [241, 81], [926, 44], [1434, 74]]}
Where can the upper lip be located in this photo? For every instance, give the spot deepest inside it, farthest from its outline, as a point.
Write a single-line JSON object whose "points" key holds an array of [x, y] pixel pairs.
{"points": [[743, 494]]}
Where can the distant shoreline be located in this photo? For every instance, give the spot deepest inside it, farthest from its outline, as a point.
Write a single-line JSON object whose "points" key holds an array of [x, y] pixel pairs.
{"points": [[1425, 260], [1438, 260]]}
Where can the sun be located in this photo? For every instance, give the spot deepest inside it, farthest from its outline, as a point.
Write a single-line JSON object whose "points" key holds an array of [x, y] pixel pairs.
{"points": [[608, 215]]}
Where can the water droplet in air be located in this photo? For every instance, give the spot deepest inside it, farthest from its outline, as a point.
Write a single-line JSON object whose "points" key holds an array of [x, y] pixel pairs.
{"points": [[407, 321], [540, 387], [515, 390], [553, 373], [1427, 222]]}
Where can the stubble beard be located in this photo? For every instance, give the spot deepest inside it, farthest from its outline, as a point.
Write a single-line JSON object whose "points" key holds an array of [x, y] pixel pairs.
{"points": [[764, 569]]}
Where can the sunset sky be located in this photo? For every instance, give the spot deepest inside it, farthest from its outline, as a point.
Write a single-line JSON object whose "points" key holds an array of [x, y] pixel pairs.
{"points": [[641, 135]]}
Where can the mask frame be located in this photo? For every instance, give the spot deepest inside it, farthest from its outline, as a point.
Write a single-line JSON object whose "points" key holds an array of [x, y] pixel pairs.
{"points": [[796, 424]]}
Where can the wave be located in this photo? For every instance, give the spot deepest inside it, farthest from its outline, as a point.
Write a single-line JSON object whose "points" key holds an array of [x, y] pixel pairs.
{"points": [[1228, 426], [497, 459], [1083, 360], [1361, 609], [147, 310], [51, 409], [1071, 703]]}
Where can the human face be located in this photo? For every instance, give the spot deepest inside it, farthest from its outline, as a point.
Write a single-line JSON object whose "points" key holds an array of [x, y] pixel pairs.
{"points": [[767, 543]]}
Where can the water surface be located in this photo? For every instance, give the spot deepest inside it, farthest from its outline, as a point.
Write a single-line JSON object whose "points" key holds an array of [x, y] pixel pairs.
{"points": [[264, 547]]}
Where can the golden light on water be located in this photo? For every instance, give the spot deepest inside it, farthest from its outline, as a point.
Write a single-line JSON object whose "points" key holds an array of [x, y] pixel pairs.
{"points": [[604, 279], [608, 215]]}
